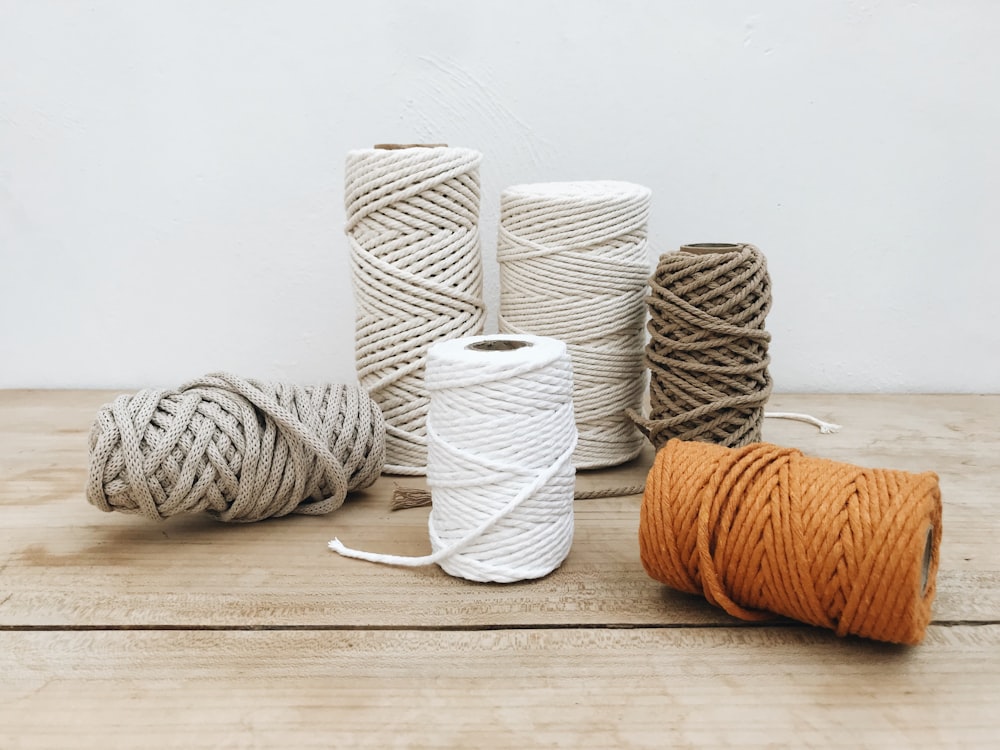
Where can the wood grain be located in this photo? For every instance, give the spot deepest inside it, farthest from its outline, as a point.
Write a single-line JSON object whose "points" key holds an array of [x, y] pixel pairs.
{"points": [[522, 688], [64, 563], [116, 631]]}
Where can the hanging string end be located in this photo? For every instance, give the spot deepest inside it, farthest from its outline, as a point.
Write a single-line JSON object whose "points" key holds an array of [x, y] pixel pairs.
{"points": [[825, 428]]}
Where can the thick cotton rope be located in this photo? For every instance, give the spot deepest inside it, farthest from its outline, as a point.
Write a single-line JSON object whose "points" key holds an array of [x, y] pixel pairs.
{"points": [[242, 450], [763, 529], [501, 438], [574, 266], [707, 349], [413, 226]]}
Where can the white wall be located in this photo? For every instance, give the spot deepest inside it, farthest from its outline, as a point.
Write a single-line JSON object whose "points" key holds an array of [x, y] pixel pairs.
{"points": [[171, 173]]}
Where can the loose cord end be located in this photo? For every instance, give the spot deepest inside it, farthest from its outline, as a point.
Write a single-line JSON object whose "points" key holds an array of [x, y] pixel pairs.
{"points": [[410, 562], [409, 497], [338, 546], [825, 428]]}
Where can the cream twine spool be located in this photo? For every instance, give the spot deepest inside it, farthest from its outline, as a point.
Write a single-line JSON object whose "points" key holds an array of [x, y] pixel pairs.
{"points": [[573, 265], [501, 435], [412, 222]]}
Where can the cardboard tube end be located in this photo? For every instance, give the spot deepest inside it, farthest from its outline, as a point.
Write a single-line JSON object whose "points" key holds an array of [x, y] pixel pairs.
{"points": [[707, 248], [498, 345], [925, 567], [399, 146]]}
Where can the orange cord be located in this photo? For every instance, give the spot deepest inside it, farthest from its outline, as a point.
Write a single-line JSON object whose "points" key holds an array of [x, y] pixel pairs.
{"points": [[763, 529]]}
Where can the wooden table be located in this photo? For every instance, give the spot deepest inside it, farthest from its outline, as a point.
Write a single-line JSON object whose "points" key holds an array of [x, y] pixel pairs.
{"points": [[116, 631]]}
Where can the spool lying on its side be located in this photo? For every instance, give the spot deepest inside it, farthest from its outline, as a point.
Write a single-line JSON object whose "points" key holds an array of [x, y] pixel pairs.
{"points": [[763, 529]]}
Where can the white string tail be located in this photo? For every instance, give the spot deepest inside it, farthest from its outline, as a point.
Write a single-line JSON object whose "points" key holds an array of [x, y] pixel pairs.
{"points": [[413, 227], [501, 437], [574, 265], [824, 427]]}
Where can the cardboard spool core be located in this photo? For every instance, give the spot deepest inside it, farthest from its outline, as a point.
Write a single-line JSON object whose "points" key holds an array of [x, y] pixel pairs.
{"points": [[707, 248], [498, 345], [398, 146], [925, 572]]}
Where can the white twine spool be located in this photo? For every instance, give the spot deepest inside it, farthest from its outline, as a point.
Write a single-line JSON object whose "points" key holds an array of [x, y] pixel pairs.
{"points": [[573, 265], [413, 226], [501, 435]]}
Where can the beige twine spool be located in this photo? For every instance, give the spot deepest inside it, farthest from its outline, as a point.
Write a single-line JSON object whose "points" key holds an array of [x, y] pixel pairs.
{"points": [[413, 226]]}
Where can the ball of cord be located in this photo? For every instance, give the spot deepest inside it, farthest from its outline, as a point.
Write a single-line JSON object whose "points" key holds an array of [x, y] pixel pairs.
{"points": [[763, 529], [413, 228], [241, 450], [574, 266], [707, 349]]}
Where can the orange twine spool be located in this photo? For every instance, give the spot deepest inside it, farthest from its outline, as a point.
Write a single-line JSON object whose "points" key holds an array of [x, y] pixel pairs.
{"points": [[763, 529]]}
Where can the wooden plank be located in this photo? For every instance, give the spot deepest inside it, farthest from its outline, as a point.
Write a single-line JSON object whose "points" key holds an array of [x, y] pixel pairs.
{"points": [[594, 688], [63, 563]]}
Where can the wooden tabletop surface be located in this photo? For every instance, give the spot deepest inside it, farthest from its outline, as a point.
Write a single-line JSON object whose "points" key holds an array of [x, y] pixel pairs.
{"points": [[116, 631]]}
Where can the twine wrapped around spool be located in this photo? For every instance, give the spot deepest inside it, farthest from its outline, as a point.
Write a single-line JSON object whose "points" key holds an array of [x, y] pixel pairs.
{"points": [[707, 350], [501, 441], [574, 266], [413, 227], [763, 529], [242, 450]]}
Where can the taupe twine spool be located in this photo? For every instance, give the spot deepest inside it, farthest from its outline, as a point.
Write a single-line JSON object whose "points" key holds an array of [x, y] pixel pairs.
{"points": [[242, 450], [707, 351]]}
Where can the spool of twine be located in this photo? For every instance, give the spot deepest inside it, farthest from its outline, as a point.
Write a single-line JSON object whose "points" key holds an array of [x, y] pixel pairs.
{"points": [[707, 349], [241, 450], [501, 440], [413, 227], [574, 266], [763, 529]]}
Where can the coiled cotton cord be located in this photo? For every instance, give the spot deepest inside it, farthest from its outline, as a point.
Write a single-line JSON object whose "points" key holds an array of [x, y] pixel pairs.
{"points": [[413, 226], [573, 265], [239, 449], [501, 436]]}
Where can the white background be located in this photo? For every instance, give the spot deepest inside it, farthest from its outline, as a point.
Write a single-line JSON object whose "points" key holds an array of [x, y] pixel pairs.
{"points": [[171, 173]]}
